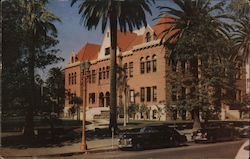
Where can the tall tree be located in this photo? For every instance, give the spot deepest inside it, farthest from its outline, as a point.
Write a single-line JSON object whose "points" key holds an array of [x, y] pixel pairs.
{"points": [[194, 28], [55, 84], [240, 7], [129, 14], [241, 38], [37, 23]]}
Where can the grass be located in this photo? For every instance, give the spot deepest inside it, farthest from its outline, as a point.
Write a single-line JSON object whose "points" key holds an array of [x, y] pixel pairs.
{"points": [[17, 123]]}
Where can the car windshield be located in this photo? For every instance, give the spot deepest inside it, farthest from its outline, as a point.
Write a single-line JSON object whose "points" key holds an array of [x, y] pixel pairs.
{"points": [[149, 129]]}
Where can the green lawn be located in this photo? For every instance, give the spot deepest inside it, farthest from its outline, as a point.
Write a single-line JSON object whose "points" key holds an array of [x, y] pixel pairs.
{"points": [[17, 123]]}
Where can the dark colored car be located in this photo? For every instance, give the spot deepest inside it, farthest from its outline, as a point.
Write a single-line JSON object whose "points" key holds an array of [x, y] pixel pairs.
{"points": [[151, 137], [214, 134]]}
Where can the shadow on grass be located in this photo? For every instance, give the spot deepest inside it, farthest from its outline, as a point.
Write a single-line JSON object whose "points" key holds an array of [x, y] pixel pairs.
{"points": [[61, 137]]}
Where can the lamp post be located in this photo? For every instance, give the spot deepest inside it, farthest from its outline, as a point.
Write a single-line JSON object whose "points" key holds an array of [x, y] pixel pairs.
{"points": [[84, 66]]}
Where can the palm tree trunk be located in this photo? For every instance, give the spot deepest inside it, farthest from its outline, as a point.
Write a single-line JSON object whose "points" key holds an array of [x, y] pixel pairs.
{"points": [[29, 125], [113, 102]]}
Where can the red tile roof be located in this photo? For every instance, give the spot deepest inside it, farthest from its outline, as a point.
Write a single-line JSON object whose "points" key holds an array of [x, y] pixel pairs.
{"points": [[124, 40], [159, 27], [88, 52]]}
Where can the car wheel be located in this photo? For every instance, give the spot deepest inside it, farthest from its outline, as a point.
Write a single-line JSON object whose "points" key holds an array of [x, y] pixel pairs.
{"points": [[137, 146], [211, 139], [176, 143]]}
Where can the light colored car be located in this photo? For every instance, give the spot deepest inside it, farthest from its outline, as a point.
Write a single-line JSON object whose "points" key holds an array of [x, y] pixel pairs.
{"points": [[244, 151]]}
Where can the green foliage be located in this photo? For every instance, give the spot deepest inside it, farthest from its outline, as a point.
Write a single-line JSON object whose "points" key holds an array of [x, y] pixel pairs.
{"points": [[56, 90], [199, 36], [240, 7], [133, 109]]}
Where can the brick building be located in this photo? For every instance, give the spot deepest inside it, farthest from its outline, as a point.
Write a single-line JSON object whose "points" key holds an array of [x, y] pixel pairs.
{"points": [[142, 60]]}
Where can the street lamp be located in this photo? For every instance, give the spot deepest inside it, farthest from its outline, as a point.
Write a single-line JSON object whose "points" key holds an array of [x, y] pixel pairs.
{"points": [[84, 66]]}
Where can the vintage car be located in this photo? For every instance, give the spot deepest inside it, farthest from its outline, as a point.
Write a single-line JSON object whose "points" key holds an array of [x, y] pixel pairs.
{"points": [[151, 137], [214, 134]]}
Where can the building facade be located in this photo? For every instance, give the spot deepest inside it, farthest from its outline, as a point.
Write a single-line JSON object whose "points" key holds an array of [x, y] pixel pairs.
{"points": [[141, 74]]}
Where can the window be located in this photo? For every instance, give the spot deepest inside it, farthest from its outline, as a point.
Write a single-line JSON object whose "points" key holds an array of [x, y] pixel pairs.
{"points": [[107, 51], [148, 66], [142, 65], [238, 95], [69, 79], [154, 93], [107, 70], [174, 96], [107, 34], [103, 72], [148, 94], [93, 76], [148, 37], [91, 98], [238, 71], [100, 73], [154, 63], [142, 94], [88, 76], [131, 69], [132, 96], [75, 78], [126, 69], [72, 78], [155, 36]]}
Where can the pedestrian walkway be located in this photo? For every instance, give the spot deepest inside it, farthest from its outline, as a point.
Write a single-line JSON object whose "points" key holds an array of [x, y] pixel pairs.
{"points": [[97, 145]]}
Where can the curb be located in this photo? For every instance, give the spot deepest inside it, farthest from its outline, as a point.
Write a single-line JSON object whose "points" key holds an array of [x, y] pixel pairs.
{"points": [[68, 154]]}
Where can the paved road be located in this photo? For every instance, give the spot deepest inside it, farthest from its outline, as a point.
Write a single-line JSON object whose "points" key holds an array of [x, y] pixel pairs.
{"points": [[226, 150]]}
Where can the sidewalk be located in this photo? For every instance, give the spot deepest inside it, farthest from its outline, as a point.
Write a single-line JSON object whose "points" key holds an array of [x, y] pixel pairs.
{"points": [[98, 145]]}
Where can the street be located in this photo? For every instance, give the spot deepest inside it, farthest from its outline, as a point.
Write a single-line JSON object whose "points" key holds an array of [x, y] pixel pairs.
{"points": [[225, 150]]}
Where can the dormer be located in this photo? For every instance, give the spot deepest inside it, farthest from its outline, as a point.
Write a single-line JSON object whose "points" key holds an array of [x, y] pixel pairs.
{"points": [[73, 57]]}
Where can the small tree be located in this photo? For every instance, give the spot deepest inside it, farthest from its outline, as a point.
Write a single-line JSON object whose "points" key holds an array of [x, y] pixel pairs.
{"points": [[76, 101], [159, 112], [143, 110], [132, 110]]}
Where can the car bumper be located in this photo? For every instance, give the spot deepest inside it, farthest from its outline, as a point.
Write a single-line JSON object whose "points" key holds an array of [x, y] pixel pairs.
{"points": [[125, 143]]}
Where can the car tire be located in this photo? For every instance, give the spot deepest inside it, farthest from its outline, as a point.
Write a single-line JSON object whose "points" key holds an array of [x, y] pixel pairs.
{"points": [[176, 143], [211, 139], [137, 146]]}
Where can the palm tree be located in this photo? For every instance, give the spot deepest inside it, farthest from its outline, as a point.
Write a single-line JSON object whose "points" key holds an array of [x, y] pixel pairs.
{"points": [[191, 25], [241, 38], [37, 24], [128, 14], [240, 7]]}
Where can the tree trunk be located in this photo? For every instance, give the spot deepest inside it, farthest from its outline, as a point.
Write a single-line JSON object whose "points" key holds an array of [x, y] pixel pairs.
{"points": [[197, 122], [29, 125], [113, 95]]}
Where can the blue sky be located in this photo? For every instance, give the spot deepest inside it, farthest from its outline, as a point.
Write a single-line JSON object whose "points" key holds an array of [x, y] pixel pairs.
{"points": [[72, 35]]}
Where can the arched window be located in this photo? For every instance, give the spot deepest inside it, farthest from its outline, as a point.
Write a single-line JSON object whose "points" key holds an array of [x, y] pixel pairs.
{"points": [[148, 37], [155, 36], [154, 63], [72, 59], [75, 78], [69, 79], [148, 65], [103, 72], [101, 100], [72, 78], [126, 69], [142, 65], [107, 95], [107, 71]]}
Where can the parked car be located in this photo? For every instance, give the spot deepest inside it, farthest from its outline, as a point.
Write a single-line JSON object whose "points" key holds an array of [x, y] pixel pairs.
{"points": [[244, 151], [244, 132], [214, 134], [150, 137]]}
